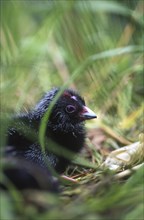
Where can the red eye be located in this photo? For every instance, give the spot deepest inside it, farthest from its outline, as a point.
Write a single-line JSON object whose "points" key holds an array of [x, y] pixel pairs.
{"points": [[70, 109]]}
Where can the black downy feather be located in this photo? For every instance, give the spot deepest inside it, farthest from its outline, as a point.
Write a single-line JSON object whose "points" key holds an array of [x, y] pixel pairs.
{"points": [[65, 129]]}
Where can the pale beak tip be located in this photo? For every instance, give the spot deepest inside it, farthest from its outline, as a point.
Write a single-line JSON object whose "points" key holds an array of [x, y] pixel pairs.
{"points": [[88, 113]]}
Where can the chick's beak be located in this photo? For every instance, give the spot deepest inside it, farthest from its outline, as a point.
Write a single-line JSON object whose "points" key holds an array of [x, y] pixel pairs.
{"points": [[87, 113]]}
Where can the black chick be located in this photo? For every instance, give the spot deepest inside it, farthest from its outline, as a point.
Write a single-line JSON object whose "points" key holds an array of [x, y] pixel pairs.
{"points": [[24, 174], [65, 128]]}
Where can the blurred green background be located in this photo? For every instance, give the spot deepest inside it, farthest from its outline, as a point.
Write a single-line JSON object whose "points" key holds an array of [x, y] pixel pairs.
{"points": [[99, 43], [95, 46]]}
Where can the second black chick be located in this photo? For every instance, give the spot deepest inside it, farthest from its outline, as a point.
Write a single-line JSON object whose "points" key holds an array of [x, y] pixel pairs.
{"points": [[65, 128]]}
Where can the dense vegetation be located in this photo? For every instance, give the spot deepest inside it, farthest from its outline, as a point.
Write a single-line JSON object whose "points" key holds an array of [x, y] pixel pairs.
{"points": [[95, 47]]}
